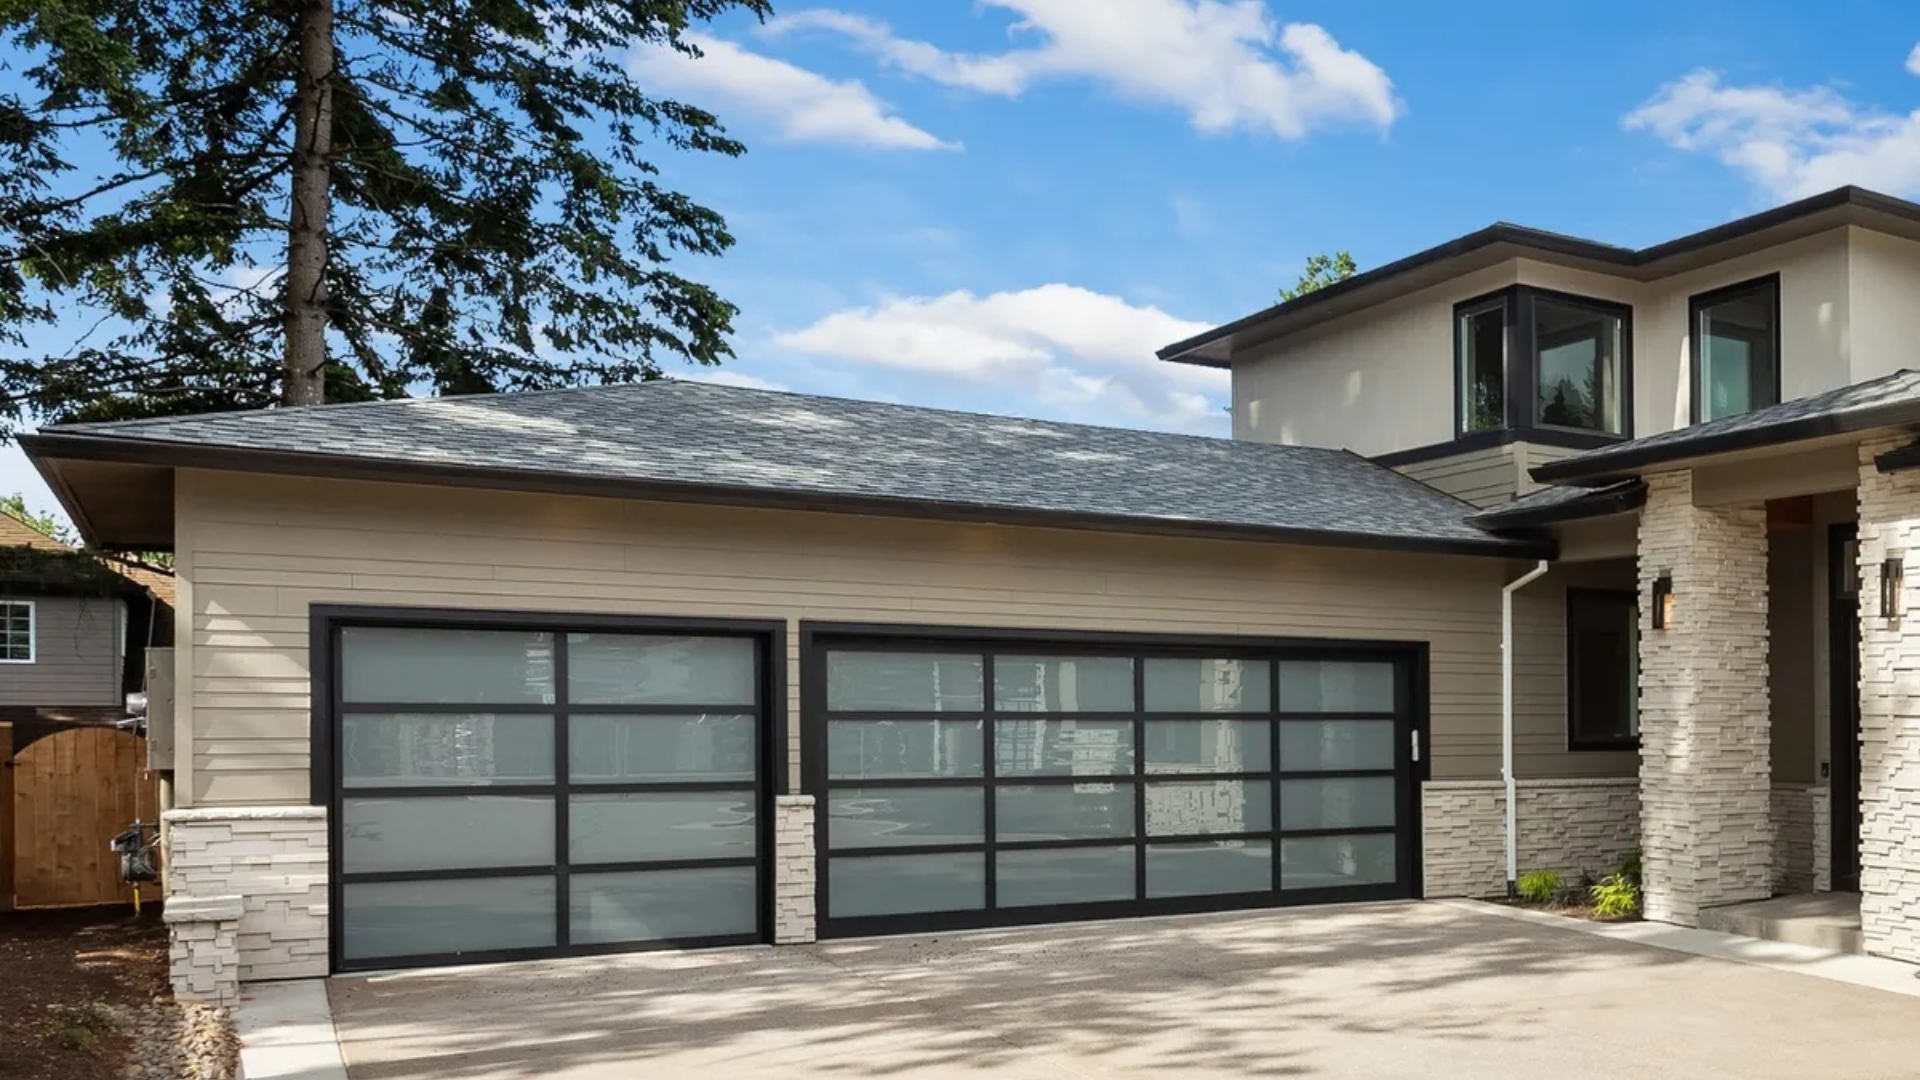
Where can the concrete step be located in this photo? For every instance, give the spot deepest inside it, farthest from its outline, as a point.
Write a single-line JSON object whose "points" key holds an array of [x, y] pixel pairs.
{"points": [[1816, 923]]}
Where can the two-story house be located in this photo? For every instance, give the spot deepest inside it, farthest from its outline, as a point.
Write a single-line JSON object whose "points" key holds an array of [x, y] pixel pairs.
{"points": [[678, 664]]}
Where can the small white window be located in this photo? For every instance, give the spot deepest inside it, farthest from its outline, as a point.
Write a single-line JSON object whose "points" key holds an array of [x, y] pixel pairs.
{"points": [[16, 632]]}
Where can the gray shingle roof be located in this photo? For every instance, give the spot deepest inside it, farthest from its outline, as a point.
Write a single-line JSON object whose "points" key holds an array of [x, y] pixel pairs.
{"points": [[1553, 504], [1889, 401], [738, 445]]}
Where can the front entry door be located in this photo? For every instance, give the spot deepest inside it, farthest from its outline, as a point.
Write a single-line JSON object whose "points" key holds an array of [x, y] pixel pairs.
{"points": [[1843, 629]]}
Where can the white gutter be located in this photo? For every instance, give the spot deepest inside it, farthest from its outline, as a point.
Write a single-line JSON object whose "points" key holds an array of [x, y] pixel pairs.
{"points": [[1506, 718]]}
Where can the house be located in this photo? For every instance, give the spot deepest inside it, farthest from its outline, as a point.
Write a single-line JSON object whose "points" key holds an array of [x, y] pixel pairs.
{"points": [[677, 664], [74, 627]]}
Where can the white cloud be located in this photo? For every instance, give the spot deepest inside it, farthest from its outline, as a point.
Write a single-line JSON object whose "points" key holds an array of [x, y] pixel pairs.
{"points": [[800, 105], [723, 377], [1226, 63], [1081, 355], [1791, 143], [1913, 61]]}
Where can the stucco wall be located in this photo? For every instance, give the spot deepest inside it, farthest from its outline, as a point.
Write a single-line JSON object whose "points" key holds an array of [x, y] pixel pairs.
{"points": [[77, 658], [1382, 380], [256, 552]]}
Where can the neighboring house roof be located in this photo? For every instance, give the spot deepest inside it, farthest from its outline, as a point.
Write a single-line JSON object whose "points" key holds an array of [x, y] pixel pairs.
{"points": [[17, 533], [1552, 505], [1499, 242], [1889, 401], [689, 441]]}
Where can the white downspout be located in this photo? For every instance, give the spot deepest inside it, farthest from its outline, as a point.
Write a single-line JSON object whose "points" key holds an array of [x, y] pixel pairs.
{"points": [[1506, 718]]}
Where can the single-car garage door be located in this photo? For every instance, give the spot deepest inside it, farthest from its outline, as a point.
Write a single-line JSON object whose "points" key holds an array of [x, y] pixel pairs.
{"points": [[989, 782], [507, 790]]}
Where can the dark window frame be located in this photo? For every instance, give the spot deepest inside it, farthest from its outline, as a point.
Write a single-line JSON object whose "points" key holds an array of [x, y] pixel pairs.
{"points": [[1410, 770], [1521, 389], [327, 780], [1701, 301], [1576, 742]]}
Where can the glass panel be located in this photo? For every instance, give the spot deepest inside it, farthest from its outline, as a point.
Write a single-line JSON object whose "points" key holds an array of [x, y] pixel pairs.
{"points": [[1344, 802], [661, 825], [1578, 366], [445, 833], [1602, 697], [1062, 747], [627, 669], [663, 904], [440, 750], [1063, 876], [899, 817], [1202, 807], [1177, 746], [1738, 363], [1482, 379], [1324, 745], [661, 749], [1209, 868], [895, 884], [430, 918], [1209, 685], [1062, 684], [1063, 812], [897, 749], [904, 682], [1335, 686], [480, 667], [1320, 862]]}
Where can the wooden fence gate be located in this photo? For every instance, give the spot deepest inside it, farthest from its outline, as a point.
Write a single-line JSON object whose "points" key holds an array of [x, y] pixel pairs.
{"points": [[71, 793]]}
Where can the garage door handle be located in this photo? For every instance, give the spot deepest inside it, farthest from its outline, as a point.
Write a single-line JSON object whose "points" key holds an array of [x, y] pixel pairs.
{"points": [[1415, 736]]}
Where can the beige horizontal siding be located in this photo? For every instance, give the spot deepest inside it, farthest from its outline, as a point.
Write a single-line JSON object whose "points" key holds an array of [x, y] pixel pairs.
{"points": [[76, 655], [1534, 455], [1482, 477], [255, 553]]}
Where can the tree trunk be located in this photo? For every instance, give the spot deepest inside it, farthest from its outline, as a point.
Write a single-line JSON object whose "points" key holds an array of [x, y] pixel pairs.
{"points": [[307, 224]]}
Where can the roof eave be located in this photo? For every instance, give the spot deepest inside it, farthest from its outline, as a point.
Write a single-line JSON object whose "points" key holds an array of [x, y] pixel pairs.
{"points": [[1620, 502], [50, 446], [1629, 462]]}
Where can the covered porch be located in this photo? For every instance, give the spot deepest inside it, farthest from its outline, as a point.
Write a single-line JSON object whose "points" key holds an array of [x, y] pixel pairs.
{"points": [[1778, 670]]}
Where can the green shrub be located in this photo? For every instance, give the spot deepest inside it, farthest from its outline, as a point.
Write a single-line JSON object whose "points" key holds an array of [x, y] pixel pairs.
{"points": [[1541, 886], [1617, 896]]}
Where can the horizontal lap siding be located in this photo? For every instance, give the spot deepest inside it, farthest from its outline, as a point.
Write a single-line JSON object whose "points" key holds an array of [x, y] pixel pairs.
{"points": [[76, 655], [1482, 477], [257, 552]]}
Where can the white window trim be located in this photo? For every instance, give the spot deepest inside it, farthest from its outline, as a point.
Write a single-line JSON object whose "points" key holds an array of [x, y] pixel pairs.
{"points": [[33, 631]]}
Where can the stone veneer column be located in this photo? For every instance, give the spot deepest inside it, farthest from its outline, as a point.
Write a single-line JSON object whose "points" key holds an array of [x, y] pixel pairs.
{"points": [[204, 951], [1889, 713], [794, 870], [275, 859], [1705, 788]]}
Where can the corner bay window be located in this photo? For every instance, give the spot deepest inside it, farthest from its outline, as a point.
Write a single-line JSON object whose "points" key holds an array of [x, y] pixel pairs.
{"points": [[1529, 359], [1603, 670], [1736, 349]]}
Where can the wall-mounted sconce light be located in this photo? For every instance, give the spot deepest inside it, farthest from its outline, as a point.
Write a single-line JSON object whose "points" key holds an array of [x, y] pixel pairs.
{"points": [[1893, 582], [1662, 602]]}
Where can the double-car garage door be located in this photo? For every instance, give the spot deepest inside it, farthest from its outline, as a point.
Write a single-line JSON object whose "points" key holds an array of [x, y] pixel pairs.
{"points": [[507, 788]]}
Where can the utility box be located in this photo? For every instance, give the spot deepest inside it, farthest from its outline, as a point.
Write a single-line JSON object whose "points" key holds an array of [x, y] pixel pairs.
{"points": [[159, 709]]}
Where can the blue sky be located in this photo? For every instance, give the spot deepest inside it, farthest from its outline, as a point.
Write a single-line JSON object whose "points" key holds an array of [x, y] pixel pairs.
{"points": [[1007, 205]]}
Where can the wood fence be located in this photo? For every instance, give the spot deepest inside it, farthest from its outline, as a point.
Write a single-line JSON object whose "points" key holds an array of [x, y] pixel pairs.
{"points": [[62, 798]]}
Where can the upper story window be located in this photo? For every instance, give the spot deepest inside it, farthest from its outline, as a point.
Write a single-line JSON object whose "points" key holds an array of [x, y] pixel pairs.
{"points": [[1529, 359], [1736, 349], [16, 632]]}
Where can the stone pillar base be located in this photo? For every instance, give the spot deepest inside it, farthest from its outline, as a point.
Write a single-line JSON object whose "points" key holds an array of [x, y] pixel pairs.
{"points": [[275, 859], [203, 953], [794, 870], [1579, 827]]}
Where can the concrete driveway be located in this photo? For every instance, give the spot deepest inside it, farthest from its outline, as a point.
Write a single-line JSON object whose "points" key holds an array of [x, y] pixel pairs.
{"points": [[1376, 991]]}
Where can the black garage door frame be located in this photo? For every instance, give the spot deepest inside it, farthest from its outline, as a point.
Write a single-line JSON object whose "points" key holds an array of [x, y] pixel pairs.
{"points": [[327, 789], [1413, 761]]}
